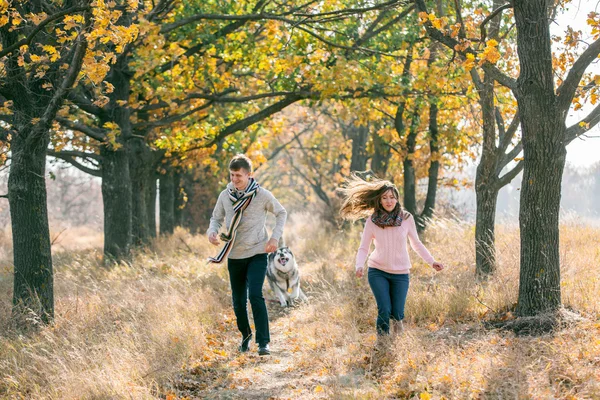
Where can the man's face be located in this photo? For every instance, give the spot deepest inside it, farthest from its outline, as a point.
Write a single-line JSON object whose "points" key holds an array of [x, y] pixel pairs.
{"points": [[239, 178]]}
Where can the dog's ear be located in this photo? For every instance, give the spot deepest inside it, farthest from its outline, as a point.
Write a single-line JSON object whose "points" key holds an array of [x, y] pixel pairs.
{"points": [[281, 242], [271, 256]]}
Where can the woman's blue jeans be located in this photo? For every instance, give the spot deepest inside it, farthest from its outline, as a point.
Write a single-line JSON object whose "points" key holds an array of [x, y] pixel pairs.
{"points": [[390, 292]]}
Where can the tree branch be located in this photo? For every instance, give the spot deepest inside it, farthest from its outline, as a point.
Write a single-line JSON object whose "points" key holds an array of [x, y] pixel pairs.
{"points": [[251, 120], [85, 104], [87, 130], [55, 102], [566, 90], [510, 175], [506, 134], [490, 17], [27, 40], [510, 156], [451, 43], [74, 153], [591, 120], [72, 161]]}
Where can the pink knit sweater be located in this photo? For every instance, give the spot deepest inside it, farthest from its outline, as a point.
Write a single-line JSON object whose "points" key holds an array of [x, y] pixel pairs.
{"points": [[391, 253]]}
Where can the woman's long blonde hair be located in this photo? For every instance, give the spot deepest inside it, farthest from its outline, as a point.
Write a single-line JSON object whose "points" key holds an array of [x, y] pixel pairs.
{"points": [[362, 197]]}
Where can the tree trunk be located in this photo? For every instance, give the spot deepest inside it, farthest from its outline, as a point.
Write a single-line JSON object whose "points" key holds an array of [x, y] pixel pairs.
{"points": [[543, 132], [166, 201], [359, 136], [410, 184], [434, 168], [179, 202], [33, 279], [485, 250], [381, 156], [486, 185], [116, 196], [139, 167], [151, 203]]}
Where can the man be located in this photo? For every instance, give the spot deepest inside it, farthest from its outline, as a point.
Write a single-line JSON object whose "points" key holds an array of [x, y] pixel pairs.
{"points": [[244, 205]]}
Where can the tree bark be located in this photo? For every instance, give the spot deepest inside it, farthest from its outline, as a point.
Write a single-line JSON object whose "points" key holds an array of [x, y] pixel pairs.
{"points": [[486, 185], [139, 167], [434, 168], [179, 202], [33, 280], [166, 201], [544, 158], [151, 203], [410, 184], [359, 136], [381, 156], [116, 197]]}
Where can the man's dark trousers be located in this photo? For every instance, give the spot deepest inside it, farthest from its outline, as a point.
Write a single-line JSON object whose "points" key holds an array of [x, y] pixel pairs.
{"points": [[247, 276]]}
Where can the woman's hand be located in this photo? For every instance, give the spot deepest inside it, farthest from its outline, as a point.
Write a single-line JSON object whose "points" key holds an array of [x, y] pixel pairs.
{"points": [[360, 272], [437, 266]]}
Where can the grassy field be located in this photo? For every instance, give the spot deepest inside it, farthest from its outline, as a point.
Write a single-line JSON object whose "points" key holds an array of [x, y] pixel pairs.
{"points": [[163, 327]]}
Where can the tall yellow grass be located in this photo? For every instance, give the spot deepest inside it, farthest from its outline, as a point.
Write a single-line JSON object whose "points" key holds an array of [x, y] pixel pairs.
{"points": [[162, 326]]}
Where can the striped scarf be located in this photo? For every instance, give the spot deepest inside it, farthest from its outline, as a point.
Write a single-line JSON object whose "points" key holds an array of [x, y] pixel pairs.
{"points": [[239, 205], [382, 218]]}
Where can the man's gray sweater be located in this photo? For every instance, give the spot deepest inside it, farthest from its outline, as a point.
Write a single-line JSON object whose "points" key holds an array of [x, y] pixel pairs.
{"points": [[252, 236]]}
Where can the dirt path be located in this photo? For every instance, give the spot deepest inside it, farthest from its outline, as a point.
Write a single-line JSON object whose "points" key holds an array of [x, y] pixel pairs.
{"points": [[228, 374]]}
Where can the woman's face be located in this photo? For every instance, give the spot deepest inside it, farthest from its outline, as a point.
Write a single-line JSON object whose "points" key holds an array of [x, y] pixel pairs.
{"points": [[388, 200]]}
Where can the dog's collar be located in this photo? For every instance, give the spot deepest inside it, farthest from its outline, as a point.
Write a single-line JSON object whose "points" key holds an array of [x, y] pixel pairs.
{"points": [[283, 274]]}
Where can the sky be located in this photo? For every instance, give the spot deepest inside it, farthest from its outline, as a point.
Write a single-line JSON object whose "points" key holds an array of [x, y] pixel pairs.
{"points": [[585, 151]]}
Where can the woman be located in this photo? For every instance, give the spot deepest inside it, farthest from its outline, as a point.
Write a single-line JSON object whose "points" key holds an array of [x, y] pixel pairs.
{"points": [[389, 227]]}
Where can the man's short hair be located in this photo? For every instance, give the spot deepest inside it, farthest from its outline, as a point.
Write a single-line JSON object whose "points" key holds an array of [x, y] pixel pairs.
{"points": [[240, 161]]}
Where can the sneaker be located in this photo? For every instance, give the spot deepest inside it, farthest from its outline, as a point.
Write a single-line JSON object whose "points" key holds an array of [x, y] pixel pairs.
{"points": [[245, 346], [264, 350]]}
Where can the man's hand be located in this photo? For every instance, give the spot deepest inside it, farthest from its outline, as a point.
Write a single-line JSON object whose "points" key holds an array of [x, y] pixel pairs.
{"points": [[271, 245], [213, 238]]}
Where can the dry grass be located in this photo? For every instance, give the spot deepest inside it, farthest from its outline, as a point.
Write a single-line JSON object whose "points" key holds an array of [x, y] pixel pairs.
{"points": [[162, 327]]}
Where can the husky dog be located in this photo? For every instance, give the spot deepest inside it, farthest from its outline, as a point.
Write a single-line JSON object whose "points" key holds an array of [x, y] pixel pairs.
{"points": [[283, 275]]}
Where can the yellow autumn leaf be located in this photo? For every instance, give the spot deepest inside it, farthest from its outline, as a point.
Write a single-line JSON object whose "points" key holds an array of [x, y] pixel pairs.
{"points": [[318, 389], [425, 396]]}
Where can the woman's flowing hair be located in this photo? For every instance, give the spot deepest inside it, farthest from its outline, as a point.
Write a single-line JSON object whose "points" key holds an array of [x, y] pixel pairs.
{"points": [[362, 197]]}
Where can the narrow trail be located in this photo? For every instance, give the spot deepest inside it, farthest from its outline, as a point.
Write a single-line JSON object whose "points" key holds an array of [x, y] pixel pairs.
{"points": [[233, 375]]}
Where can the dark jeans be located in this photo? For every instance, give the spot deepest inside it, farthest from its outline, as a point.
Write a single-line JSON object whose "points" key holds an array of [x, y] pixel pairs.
{"points": [[247, 276], [390, 294]]}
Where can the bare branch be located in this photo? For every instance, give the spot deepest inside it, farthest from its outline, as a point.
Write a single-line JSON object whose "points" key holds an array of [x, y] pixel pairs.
{"points": [[74, 153], [507, 134], [510, 175], [510, 156], [490, 17], [71, 160]]}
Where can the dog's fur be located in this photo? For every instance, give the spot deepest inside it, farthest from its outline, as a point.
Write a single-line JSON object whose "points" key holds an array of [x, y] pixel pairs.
{"points": [[283, 274]]}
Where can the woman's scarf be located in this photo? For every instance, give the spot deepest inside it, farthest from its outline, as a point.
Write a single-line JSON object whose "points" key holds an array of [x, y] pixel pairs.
{"points": [[240, 203], [383, 219]]}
